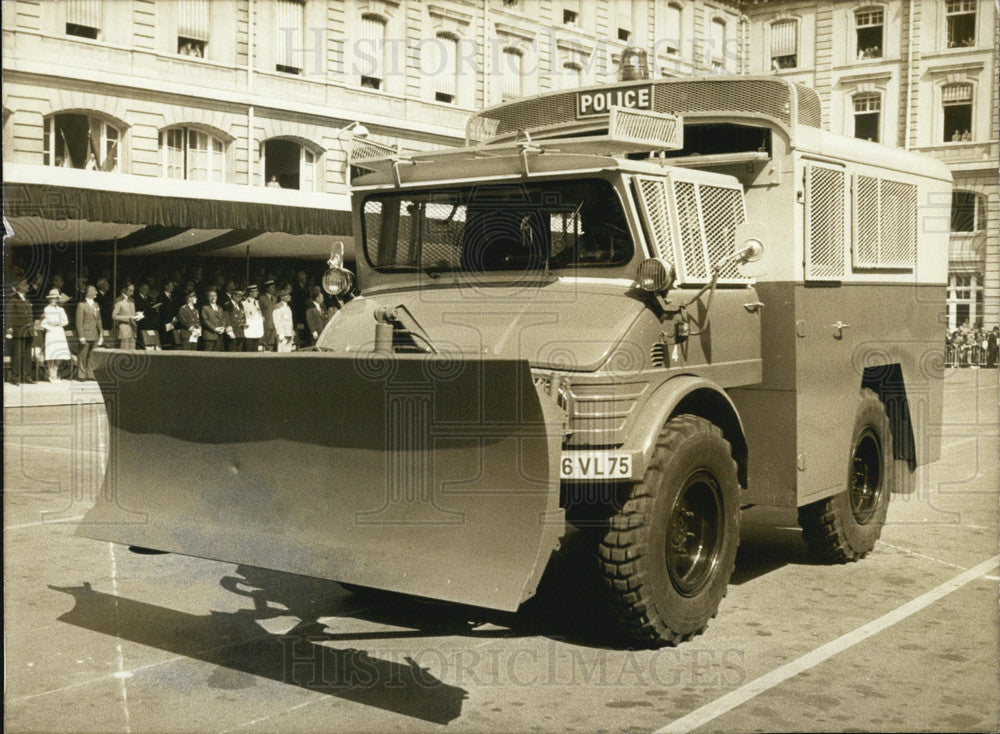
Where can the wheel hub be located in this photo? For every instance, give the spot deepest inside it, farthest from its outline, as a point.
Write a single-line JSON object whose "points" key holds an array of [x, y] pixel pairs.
{"points": [[694, 534], [866, 485]]}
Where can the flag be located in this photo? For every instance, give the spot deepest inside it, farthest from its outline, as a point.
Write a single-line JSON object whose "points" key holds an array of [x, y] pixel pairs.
{"points": [[111, 160], [67, 158]]}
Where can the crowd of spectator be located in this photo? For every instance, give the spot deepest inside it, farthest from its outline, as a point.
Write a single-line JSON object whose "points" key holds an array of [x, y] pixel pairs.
{"points": [[972, 346], [282, 310]]}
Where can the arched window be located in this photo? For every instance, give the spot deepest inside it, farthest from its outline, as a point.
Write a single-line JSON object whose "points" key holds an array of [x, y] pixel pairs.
{"points": [[512, 79], [867, 116], [868, 28], [80, 140], [288, 164], [373, 49], [968, 211], [956, 102], [192, 154]]}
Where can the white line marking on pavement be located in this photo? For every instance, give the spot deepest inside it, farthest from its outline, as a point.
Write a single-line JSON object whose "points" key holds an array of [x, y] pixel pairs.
{"points": [[122, 675], [921, 555], [245, 724], [11, 441], [60, 521], [741, 695]]}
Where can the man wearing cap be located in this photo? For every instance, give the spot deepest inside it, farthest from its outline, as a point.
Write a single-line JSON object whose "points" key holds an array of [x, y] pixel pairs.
{"points": [[88, 329], [213, 323], [254, 330], [268, 302], [125, 317], [20, 322], [189, 323], [235, 321]]}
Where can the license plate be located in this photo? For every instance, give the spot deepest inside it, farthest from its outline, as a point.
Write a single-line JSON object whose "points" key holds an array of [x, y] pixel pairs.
{"points": [[596, 465]]}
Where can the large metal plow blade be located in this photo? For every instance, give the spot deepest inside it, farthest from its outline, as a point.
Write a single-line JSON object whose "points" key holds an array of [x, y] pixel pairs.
{"points": [[434, 476]]}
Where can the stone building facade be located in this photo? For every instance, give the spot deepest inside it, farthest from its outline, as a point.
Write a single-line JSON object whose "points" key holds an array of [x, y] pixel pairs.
{"points": [[919, 74]]}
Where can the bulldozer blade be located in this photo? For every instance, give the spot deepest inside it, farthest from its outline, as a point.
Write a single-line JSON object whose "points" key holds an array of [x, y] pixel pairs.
{"points": [[431, 475]]}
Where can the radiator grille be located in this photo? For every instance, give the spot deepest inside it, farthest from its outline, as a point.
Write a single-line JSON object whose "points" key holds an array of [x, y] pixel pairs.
{"points": [[826, 207]]}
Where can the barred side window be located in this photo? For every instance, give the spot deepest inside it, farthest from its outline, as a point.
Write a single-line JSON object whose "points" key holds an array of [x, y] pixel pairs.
{"points": [[826, 222]]}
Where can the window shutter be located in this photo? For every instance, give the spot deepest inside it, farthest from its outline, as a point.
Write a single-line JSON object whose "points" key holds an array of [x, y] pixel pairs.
{"points": [[373, 34], [84, 12], [511, 84], [674, 24], [290, 32], [193, 22], [447, 81], [784, 38]]}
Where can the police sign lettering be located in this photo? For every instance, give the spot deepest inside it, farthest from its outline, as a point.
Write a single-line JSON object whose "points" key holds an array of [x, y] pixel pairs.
{"points": [[600, 101]]}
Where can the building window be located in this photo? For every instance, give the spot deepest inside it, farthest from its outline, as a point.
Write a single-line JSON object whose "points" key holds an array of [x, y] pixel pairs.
{"points": [[290, 38], [624, 34], [569, 17], [288, 165], [572, 75], [867, 116], [956, 99], [784, 44], [446, 79], [965, 298], [373, 35], [968, 211], [961, 18], [868, 25], [512, 81], [192, 155], [192, 27], [74, 140], [674, 18], [718, 44], [83, 18]]}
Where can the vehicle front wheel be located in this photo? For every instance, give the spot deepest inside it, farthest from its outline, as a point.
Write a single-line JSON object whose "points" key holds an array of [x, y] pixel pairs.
{"points": [[845, 527], [669, 552]]}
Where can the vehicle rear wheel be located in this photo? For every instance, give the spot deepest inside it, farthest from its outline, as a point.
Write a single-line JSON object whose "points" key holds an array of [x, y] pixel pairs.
{"points": [[669, 552], [845, 527]]}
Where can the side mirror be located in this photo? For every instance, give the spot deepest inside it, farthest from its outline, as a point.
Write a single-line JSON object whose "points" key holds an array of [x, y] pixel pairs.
{"points": [[337, 279], [752, 259], [655, 275]]}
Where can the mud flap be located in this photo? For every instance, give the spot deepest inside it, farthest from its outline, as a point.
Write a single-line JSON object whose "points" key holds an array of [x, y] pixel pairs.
{"points": [[427, 475]]}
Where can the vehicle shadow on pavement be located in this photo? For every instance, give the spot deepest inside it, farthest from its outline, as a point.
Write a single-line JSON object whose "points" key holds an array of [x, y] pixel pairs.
{"points": [[236, 641], [770, 538]]}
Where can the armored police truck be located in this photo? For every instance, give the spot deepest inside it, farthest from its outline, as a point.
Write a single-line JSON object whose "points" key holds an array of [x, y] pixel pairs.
{"points": [[638, 308]]}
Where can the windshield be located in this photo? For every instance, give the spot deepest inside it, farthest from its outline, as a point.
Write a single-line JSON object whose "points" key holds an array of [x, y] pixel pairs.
{"points": [[531, 226]]}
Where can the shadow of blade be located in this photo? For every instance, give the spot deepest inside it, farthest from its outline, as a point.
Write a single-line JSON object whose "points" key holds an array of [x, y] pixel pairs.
{"points": [[234, 640]]}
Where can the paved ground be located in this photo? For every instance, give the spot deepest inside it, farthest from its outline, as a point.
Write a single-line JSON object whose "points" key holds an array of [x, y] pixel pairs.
{"points": [[101, 639]]}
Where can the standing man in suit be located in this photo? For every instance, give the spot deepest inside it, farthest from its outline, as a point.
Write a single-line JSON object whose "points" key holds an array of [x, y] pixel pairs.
{"points": [[268, 302], [104, 302], [126, 317], [213, 323], [20, 322], [167, 307], [88, 328], [316, 315], [144, 305], [189, 323]]}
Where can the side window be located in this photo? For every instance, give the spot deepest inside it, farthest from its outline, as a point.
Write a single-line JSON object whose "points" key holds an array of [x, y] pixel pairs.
{"points": [[885, 224]]}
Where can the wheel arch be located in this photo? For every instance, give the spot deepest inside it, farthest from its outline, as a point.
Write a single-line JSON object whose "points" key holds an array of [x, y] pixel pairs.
{"points": [[697, 396], [888, 383]]}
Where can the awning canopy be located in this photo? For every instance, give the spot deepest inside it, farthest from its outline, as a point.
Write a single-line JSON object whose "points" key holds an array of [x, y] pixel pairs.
{"points": [[46, 205]]}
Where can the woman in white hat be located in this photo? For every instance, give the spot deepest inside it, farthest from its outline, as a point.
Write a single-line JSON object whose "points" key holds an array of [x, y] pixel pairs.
{"points": [[56, 348]]}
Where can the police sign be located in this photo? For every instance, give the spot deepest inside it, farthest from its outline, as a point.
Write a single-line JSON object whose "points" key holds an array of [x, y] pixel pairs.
{"points": [[600, 101]]}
